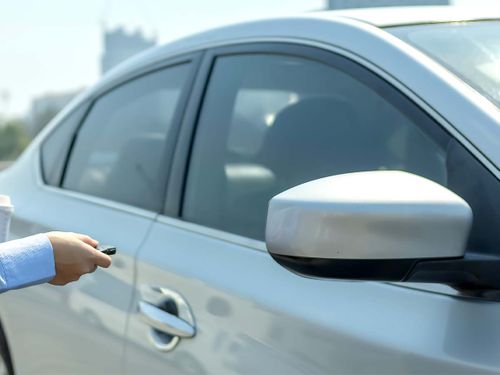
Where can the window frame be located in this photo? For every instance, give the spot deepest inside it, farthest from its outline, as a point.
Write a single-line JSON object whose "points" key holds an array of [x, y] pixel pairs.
{"points": [[190, 58]]}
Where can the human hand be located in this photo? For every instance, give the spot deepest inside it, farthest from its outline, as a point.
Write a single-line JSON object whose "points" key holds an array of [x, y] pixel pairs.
{"points": [[74, 256]]}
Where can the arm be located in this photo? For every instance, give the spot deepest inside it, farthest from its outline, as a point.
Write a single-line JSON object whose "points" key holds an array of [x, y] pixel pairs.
{"points": [[26, 262], [57, 257]]}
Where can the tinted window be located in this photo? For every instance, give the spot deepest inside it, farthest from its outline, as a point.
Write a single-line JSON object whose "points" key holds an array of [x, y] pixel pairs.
{"points": [[55, 148], [270, 122], [120, 150]]}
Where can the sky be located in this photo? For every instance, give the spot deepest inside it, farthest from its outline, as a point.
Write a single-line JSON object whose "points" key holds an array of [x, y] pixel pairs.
{"points": [[53, 46]]}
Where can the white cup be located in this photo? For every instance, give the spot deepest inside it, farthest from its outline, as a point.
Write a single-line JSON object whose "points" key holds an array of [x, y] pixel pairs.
{"points": [[6, 210]]}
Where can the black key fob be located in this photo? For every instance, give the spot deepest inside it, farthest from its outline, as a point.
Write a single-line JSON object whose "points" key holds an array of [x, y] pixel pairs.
{"points": [[107, 249]]}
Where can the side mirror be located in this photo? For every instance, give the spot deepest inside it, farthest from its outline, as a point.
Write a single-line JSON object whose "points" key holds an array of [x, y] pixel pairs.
{"points": [[380, 225]]}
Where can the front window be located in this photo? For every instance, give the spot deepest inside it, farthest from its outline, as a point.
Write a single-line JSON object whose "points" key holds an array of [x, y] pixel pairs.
{"points": [[469, 50], [271, 121]]}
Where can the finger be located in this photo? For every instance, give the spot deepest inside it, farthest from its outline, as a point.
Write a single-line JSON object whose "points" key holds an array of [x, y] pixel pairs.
{"points": [[87, 239], [90, 268], [102, 260]]}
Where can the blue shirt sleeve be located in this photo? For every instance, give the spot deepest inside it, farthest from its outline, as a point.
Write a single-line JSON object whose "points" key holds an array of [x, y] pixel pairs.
{"points": [[26, 262]]}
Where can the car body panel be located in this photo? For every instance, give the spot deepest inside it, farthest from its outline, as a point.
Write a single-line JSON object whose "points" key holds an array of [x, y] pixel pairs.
{"points": [[253, 316]]}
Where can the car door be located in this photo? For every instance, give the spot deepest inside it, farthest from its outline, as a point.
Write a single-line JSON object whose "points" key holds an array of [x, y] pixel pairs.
{"points": [[209, 299], [110, 188]]}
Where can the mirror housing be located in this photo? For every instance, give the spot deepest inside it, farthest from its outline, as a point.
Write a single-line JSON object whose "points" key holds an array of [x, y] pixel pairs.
{"points": [[366, 226]]}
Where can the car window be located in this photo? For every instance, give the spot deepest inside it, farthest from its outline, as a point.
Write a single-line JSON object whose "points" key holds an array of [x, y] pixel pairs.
{"points": [[120, 151], [270, 122], [55, 148], [471, 50]]}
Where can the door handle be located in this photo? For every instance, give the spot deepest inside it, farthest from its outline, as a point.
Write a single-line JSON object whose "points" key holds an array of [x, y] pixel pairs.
{"points": [[165, 322]]}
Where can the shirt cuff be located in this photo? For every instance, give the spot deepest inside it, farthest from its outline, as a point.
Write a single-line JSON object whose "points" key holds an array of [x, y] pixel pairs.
{"points": [[27, 261]]}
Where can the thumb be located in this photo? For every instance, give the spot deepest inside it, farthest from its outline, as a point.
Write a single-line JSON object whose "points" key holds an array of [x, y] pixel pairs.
{"points": [[102, 260]]}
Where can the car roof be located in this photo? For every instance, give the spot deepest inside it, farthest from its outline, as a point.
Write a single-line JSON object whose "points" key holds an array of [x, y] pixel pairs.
{"points": [[411, 15], [280, 27], [472, 114]]}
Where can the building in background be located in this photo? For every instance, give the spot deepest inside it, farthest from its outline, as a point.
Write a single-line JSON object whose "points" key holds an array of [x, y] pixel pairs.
{"points": [[45, 107], [120, 45], [345, 4]]}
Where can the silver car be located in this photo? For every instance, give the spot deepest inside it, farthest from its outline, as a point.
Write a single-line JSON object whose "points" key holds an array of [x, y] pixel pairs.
{"points": [[377, 132]]}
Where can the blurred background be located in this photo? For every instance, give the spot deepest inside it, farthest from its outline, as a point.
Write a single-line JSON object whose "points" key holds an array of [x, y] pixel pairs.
{"points": [[51, 50]]}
